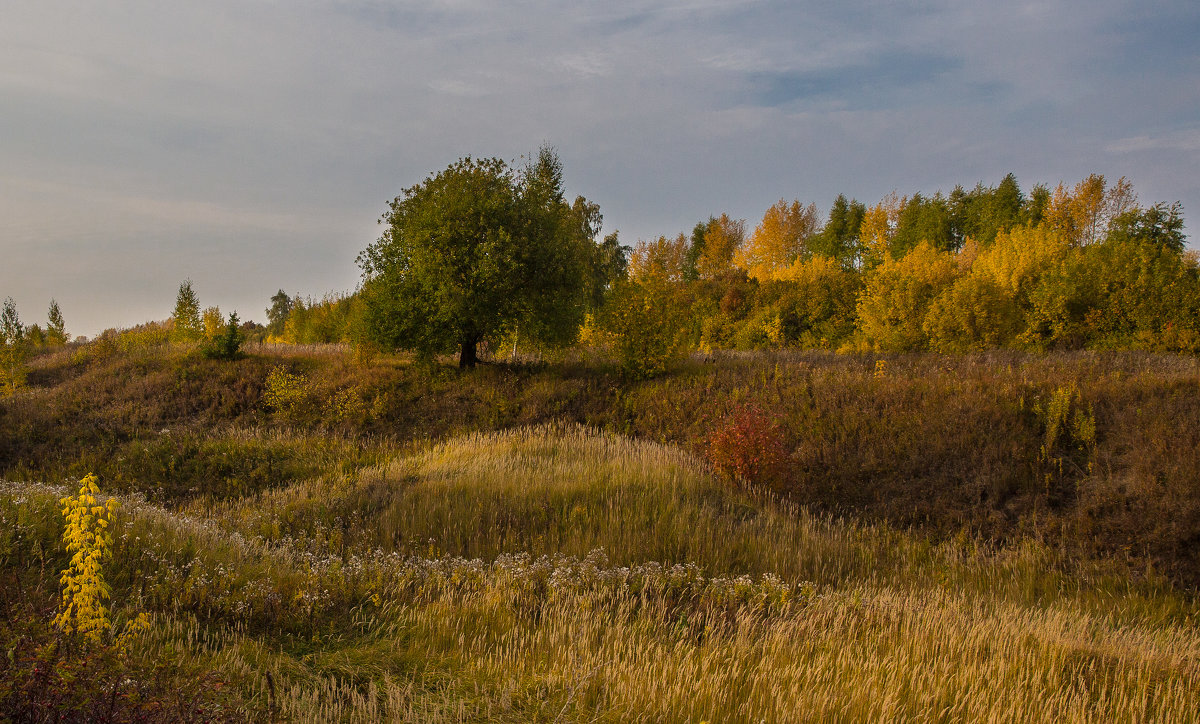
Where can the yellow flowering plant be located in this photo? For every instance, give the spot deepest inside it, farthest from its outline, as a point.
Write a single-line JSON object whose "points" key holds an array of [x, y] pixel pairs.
{"points": [[89, 541]]}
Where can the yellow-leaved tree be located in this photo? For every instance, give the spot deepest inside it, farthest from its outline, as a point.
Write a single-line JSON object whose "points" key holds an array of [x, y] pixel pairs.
{"points": [[1018, 258], [1084, 213], [897, 296], [975, 313], [213, 323], [662, 258], [815, 301], [779, 240], [878, 227], [722, 239]]}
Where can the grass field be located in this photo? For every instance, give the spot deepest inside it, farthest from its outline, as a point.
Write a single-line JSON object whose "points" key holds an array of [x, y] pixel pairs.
{"points": [[312, 570]]}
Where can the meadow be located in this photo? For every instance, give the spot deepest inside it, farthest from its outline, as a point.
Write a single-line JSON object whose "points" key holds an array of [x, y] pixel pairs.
{"points": [[789, 536]]}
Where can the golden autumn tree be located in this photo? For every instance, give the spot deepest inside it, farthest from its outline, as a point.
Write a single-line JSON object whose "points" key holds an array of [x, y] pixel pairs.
{"points": [[721, 241], [1084, 213], [815, 302], [878, 227], [1019, 257], [896, 298], [213, 322], [661, 258], [975, 313], [779, 239]]}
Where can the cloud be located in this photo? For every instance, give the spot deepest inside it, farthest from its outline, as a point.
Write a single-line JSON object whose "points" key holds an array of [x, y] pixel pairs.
{"points": [[1188, 141], [147, 139]]}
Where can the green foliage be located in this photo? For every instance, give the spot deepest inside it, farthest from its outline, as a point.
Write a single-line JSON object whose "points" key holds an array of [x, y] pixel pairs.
{"points": [[1160, 225], [14, 349], [477, 250], [288, 394], [277, 313], [187, 326], [925, 220], [644, 323], [227, 345], [974, 314], [333, 319], [56, 330], [839, 239]]}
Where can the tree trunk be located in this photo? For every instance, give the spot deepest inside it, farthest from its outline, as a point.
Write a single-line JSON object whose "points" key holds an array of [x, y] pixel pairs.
{"points": [[467, 358]]}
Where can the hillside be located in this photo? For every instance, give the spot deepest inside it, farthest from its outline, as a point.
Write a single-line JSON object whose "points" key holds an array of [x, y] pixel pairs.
{"points": [[1097, 453], [560, 574]]}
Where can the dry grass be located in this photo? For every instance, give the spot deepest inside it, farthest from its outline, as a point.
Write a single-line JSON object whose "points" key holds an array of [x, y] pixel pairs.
{"points": [[707, 604]]}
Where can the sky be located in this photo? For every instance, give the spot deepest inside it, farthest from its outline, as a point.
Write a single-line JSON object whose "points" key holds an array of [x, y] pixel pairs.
{"points": [[251, 146]]}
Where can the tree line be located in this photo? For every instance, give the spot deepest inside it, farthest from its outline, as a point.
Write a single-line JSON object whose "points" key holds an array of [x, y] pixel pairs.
{"points": [[484, 257], [483, 254], [18, 342]]}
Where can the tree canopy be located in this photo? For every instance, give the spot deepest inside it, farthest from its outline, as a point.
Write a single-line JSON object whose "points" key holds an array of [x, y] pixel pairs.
{"points": [[479, 250]]}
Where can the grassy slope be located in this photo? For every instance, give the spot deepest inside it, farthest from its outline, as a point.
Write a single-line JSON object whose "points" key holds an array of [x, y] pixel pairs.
{"points": [[358, 592], [947, 444]]}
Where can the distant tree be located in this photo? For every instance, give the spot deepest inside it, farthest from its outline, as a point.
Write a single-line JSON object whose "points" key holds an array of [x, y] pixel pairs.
{"points": [[975, 313], [35, 336], [1160, 225], [815, 302], [723, 237], [1084, 213], [983, 212], [878, 227], [213, 322], [473, 252], [187, 325], [13, 348], [662, 258], [227, 344], [277, 313], [839, 240], [781, 238], [694, 247], [897, 296], [56, 331], [1034, 208], [644, 322], [923, 219], [605, 260]]}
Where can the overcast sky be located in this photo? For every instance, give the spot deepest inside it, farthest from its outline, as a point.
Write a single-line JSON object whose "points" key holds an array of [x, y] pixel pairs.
{"points": [[253, 145]]}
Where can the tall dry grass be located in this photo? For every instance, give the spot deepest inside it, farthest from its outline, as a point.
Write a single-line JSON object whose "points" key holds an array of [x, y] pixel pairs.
{"points": [[459, 582]]}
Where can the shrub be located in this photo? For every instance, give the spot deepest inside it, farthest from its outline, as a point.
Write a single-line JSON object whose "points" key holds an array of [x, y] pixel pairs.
{"points": [[643, 323], [749, 446], [289, 395], [227, 345]]}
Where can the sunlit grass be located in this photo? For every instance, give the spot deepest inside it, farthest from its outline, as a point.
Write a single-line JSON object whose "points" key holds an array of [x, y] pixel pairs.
{"points": [[561, 574]]}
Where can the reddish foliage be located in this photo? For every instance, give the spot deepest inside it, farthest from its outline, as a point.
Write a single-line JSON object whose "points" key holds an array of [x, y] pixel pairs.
{"points": [[748, 446]]}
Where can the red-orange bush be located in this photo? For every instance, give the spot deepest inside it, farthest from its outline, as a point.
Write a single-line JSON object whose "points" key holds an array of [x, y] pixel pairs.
{"points": [[749, 446]]}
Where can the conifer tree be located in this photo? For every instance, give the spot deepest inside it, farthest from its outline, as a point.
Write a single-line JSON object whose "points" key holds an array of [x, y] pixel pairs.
{"points": [[56, 331], [187, 314]]}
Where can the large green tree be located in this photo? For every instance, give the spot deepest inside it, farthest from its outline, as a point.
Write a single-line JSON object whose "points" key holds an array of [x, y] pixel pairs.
{"points": [[479, 250]]}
